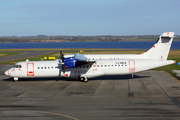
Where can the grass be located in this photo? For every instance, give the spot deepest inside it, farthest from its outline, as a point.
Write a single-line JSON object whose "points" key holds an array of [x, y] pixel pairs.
{"points": [[3, 54]]}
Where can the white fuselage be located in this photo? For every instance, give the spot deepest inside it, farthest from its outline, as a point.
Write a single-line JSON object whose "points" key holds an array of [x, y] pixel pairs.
{"points": [[108, 66]]}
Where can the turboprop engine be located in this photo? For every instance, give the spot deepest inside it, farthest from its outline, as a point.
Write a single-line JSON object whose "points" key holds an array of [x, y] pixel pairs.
{"points": [[70, 62]]}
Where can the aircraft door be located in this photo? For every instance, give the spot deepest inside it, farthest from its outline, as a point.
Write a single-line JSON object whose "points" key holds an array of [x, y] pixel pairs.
{"points": [[30, 69], [131, 66], [77, 75], [94, 67]]}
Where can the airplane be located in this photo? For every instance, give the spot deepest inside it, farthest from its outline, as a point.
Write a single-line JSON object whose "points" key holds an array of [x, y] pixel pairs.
{"points": [[83, 67]]}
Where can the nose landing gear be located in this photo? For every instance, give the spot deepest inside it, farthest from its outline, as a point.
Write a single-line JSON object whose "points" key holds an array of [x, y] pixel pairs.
{"points": [[15, 79]]}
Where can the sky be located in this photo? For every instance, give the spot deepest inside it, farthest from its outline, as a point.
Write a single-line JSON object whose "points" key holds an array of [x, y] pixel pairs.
{"points": [[89, 17]]}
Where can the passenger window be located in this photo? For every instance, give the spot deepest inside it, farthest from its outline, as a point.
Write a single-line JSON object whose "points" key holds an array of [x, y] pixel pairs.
{"points": [[51, 67], [44, 67], [48, 67], [104, 65], [112, 65], [16, 66], [87, 66], [38, 67], [41, 67], [83, 66], [97, 65], [108, 65], [101, 65], [118, 65]]}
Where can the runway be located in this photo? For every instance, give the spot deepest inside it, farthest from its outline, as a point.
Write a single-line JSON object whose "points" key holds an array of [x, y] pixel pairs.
{"points": [[149, 95]]}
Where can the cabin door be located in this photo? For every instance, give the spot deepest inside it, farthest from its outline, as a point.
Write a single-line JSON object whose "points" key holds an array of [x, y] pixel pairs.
{"points": [[94, 67], [77, 75], [30, 69], [131, 66]]}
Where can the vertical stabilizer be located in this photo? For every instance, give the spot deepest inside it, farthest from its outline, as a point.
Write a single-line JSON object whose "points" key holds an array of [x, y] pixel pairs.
{"points": [[160, 50]]}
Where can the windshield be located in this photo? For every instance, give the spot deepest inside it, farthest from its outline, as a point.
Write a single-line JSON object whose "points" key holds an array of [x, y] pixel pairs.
{"points": [[17, 66]]}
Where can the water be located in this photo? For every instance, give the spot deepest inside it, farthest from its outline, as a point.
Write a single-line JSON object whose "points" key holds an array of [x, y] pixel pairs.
{"points": [[123, 45]]}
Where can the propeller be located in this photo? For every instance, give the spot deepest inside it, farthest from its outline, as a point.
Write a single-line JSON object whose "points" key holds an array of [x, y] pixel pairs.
{"points": [[62, 59]]}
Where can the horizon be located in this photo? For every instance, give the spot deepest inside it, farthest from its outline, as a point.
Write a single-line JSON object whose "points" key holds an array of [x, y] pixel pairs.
{"points": [[76, 35]]}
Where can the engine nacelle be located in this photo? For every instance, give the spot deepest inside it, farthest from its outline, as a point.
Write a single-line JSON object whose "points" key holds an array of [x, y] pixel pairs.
{"points": [[70, 62]]}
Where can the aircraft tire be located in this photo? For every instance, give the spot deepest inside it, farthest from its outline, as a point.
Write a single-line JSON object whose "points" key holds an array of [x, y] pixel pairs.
{"points": [[84, 79]]}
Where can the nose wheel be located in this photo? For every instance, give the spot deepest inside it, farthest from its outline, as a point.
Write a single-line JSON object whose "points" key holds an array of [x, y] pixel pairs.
{"points": [[84, 79], [15, 79]]}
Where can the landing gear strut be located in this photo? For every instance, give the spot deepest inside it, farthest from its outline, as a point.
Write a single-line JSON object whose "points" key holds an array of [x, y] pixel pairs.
{"points": [[15, 79], [85, 79]]}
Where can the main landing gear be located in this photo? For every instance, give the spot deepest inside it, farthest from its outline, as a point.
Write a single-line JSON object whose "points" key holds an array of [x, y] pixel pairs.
{"points": [[84, 79]]}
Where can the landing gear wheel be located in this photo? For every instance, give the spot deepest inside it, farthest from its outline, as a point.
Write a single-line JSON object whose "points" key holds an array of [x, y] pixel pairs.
{"points": [[82, 78], [85, 79], [15, 80]]}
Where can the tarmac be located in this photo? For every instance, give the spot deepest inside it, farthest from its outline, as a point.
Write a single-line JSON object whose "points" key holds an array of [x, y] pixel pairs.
{"points": [[149, 95]]}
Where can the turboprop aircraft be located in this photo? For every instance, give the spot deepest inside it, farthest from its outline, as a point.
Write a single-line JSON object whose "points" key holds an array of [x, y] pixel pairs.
{"points": [[83, 67]]}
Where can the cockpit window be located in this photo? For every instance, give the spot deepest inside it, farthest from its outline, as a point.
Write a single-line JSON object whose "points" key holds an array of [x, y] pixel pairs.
{"points": [[17, 66]]}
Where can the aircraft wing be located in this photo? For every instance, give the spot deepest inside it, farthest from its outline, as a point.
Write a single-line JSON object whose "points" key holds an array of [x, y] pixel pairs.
{"points": [[82, 58], [75, 61]]}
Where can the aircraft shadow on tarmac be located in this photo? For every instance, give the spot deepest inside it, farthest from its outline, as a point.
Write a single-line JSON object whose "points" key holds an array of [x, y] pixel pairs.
{"points": [[111, 77]]}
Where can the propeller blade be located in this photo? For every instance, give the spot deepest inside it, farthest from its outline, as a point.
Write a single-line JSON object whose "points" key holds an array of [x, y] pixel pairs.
{"points": [[61, 56], [62, 59], [63, 67]]}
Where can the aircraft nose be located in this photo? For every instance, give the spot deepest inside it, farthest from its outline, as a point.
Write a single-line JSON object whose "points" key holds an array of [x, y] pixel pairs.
{"points": [[6, 73]]}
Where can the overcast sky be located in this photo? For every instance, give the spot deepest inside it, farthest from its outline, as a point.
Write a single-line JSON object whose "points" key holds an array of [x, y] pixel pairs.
{"points": [[89, 17]]}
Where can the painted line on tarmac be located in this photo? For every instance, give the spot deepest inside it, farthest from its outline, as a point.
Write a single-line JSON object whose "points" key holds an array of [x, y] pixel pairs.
{"points": [[55, 114], [58, 114], [172, 76]]}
